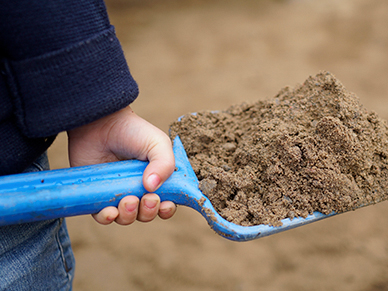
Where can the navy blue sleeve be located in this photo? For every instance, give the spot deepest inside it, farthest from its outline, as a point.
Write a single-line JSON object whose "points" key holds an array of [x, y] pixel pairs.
{"points": [[63, 63]]}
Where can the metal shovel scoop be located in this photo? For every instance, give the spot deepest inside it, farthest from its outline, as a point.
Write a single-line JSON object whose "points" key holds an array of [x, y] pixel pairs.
{"points": [[85, 190]]}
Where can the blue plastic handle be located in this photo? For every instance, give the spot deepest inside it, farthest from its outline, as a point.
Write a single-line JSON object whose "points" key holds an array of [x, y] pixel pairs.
{"points": [[85, 190]]}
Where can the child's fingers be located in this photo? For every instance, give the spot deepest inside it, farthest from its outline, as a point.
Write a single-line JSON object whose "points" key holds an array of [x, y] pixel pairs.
{"points": [[107, 215], [149, 207], [167, 209], [161, 166], [128, 210]]}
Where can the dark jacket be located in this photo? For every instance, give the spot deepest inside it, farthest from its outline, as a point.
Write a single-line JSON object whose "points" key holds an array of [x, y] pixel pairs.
{"points": [[61, 67]]}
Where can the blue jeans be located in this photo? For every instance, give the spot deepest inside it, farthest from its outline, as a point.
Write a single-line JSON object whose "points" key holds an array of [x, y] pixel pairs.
{"points": [[38, 255]]}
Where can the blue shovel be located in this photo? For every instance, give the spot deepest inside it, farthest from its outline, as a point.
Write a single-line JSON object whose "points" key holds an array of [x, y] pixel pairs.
{"points": [[86, 190]]}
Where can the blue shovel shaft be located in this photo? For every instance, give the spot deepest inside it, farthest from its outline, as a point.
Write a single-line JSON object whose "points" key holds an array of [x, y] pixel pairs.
{"points": [[86, 190], [77, 191], [67, 192]]}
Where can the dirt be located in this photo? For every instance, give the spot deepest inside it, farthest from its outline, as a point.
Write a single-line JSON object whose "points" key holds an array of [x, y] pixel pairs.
{"points": [[312, 148]]}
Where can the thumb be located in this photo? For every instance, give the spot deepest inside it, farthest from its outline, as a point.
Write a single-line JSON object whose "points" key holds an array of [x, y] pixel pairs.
{"points": [[161, 165]]}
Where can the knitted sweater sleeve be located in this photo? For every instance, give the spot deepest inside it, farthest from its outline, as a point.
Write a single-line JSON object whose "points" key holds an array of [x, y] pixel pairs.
{"points": [[63, 64]]}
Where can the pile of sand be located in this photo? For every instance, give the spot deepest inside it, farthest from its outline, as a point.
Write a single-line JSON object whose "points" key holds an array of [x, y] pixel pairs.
{"points": [[312, 148]]}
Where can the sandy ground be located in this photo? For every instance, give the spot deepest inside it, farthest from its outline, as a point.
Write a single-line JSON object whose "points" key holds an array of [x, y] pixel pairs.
{"points": [[190, 56]]}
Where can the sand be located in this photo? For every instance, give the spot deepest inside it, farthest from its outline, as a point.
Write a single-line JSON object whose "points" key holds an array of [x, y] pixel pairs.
{"points": [[311, 148]]}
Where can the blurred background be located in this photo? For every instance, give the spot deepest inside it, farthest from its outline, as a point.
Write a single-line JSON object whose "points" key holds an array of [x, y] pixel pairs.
{"points": [[196, 55]]}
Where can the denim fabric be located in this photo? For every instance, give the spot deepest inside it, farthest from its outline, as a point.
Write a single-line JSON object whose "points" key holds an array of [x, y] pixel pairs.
{"points": [[36, 256]]}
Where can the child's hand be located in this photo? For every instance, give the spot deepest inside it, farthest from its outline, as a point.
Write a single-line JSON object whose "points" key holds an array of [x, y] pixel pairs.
{"points": [[120, 136]]}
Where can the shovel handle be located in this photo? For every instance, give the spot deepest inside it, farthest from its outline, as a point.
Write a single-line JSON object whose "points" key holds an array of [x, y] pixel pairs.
{"points": [[68, 192], [85, 190]]}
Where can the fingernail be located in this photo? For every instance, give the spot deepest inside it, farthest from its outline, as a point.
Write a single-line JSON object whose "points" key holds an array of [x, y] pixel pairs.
{"points": [[150, 203], [153, 181], [130, 206], [165, 210]]}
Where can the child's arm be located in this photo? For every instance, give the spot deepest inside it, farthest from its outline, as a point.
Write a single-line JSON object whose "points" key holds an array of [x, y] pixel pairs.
{"points": [[124, 135]]}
